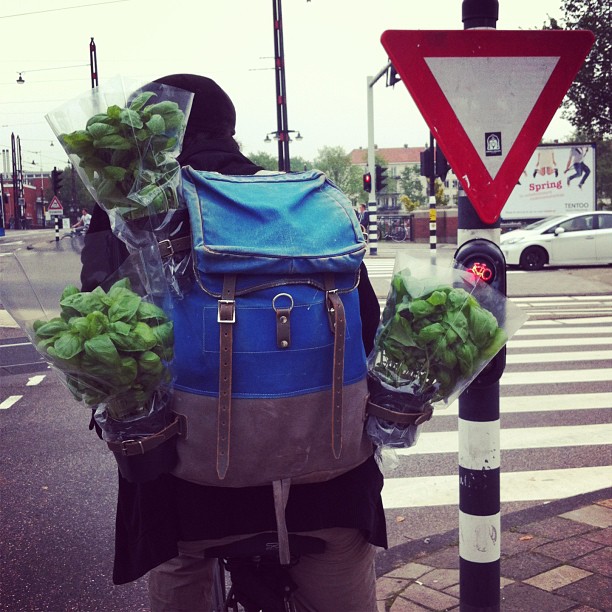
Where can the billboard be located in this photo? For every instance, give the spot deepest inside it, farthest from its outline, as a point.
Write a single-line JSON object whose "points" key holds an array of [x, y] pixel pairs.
{"points": [[559, 179]]}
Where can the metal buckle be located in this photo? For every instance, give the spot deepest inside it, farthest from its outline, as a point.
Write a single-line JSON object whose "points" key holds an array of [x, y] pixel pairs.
{"points": [[165, 247], [231, 303], [125, 449]]}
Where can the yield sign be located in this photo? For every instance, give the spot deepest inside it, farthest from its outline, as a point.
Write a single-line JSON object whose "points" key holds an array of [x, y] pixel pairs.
{"points": [[55, 205], [488, 97]]}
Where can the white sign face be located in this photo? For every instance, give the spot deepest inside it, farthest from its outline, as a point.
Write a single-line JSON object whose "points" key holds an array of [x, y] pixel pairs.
{"points": [[492, 98], [558, 179]]}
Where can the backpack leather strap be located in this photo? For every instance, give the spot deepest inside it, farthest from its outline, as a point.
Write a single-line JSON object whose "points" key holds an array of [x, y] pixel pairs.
{"points": [[226, 317], [337, 316]]}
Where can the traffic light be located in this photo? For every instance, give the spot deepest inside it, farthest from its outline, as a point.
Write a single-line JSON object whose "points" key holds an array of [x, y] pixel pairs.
{"points": [[381, 178], [56, 180], [485, 260], [392, 76], [427, 163], [442, 166], [367, 182]]}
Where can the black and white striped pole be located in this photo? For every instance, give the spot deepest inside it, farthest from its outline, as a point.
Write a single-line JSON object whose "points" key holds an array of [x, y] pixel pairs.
{"points": [[433, 242], [479, 426]]}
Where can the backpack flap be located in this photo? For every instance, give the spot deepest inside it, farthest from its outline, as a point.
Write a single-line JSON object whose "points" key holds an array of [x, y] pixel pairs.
{"points": [[298, 223]]}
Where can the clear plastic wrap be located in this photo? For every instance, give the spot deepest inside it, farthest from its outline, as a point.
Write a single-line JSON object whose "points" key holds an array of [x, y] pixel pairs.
{"points": [[439, 329], [123, 138], [112, 347]]}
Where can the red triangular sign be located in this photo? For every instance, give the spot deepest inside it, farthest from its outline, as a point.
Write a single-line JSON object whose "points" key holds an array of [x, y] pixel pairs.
{"points": [[55, 204], [487, 97]]}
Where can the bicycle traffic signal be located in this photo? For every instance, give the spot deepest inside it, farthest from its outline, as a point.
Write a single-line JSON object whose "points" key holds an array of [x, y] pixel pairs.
{"points": [[381, 178], [56, 180], [485, 260], [367, 182]]}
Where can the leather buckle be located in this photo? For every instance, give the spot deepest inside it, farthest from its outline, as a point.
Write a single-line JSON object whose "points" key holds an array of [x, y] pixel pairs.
{"points": [[222, 315]]}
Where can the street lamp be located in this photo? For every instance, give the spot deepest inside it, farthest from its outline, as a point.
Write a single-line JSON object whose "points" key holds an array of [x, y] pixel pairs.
{"points": [[281, 135]]}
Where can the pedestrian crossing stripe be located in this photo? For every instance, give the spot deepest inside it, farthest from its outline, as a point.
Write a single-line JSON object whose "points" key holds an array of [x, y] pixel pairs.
{"points": [[520, 438], [536, 485]]}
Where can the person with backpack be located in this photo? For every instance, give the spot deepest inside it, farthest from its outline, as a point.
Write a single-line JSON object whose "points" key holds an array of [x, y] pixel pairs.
{"points": [[164, 526]]}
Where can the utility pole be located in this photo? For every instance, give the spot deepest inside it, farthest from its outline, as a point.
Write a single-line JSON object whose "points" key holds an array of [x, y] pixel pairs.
{"points": [[373, 220], [282, 131]]}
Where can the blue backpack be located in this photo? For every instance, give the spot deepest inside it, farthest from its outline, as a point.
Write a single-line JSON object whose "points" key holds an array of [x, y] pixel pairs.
{"points": [[270, 369]]}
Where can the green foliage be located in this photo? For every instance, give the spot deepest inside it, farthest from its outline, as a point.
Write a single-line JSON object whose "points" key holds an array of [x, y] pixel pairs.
{"points": [[111, 346], [125, 154], [411, 185], [407, 204], [433, 339], [587, 104], [265, 160]]}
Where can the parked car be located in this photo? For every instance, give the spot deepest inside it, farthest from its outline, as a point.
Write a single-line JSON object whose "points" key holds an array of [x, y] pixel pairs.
{"points": [[566, 240]]}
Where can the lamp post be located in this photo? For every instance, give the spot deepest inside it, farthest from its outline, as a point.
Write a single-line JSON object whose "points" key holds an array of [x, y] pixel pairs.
{"points": [[277, 135]]}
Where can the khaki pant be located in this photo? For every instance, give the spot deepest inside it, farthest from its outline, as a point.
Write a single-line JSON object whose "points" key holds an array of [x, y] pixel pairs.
{"points": [[341, 578]]}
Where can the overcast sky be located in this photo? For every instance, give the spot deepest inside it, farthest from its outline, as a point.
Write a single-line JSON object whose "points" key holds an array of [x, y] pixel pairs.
{"points": [[331, 46]]}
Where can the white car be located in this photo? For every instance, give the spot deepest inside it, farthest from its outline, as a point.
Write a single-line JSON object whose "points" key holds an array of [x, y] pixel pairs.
{"points": [[567, 240]]}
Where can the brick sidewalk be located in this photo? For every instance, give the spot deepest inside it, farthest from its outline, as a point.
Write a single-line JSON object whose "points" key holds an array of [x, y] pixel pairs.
{"points": [[555, 557]]}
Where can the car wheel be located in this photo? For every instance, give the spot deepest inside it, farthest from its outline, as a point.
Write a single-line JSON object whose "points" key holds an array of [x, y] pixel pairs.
{"points": [[533, 258]]}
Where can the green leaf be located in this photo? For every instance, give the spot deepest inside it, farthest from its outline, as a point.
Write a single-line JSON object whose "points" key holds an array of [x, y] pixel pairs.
{"points": [[53, 327], [124, 307], [114, 173], [150, 312], [139, 101], [164, 334], [162, 108], [84, 302], [156, 124], [101, 349], [483, 326], [98, 130], [114, 111], [77, 142], [430, 334], [131, 118], [113, 141], [69, 290], [68, 345]]}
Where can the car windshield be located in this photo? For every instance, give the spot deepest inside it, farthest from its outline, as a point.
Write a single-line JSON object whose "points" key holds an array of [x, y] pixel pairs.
{"points": [[541, 222]]}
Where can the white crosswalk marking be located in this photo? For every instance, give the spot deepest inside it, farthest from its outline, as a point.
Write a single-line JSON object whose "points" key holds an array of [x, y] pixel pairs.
{"points": [[547, 358]]}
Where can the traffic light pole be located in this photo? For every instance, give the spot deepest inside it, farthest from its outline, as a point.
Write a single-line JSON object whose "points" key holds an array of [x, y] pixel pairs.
{"points": [[432, 211], [373, 219], [479, 427]]}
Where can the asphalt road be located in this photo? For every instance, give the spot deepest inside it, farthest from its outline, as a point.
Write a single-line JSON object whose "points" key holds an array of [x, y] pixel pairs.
{"points": [[57, 481]]}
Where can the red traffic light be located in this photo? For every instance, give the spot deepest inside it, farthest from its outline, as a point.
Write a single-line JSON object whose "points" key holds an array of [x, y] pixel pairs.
{"points": [[367, 182]]}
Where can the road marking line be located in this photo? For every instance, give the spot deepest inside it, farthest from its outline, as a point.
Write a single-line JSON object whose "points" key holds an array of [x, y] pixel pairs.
{"points": [[541, 403], [9, 401], [556, 377], [550, 331], [423, 491], [35, 380], [518, 439], [558, 342], [559, 357]]}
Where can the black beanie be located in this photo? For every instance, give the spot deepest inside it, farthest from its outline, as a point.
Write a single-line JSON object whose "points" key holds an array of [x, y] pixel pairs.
{"points": [[212, 111]]}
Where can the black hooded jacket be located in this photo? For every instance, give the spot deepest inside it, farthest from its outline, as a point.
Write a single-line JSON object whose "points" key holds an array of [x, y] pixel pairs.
{"points": [[153, 516]]}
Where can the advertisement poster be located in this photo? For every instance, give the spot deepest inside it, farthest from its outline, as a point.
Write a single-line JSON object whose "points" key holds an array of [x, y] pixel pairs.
{"points": [[558, 179]]}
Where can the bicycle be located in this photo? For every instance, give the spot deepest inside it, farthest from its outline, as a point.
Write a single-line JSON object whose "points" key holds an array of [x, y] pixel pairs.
{"points": [[394, 229], [259, 583]]}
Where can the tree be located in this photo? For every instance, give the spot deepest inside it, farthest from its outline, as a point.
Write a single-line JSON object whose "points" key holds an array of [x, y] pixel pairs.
{"points": [[407, 204], [265, 160], [587, 104], [335, 162], [411, 185]]}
